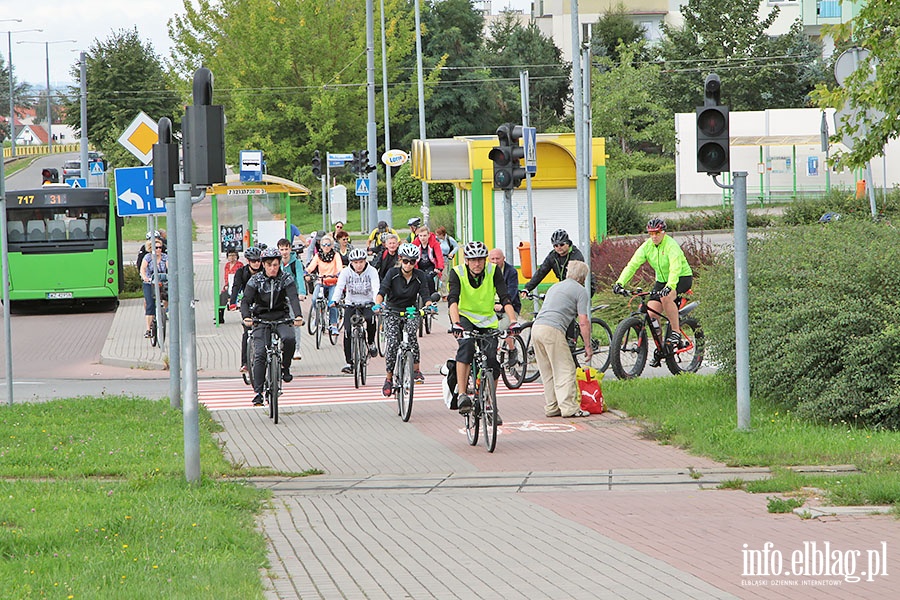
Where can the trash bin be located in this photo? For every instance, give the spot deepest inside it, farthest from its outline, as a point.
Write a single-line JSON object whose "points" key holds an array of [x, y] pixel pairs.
{"points": [[860, 189], [525, 259]]}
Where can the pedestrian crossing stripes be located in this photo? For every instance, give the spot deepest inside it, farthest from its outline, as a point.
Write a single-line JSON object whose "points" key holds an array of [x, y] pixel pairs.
{"points": [[234, 394]]}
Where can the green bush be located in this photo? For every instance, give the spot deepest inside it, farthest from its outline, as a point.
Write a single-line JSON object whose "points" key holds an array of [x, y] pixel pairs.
{"points": [[845, 203], [623, 215], [654, 187], [131, 280], [408, 190], [823, 317], [716, 219]]}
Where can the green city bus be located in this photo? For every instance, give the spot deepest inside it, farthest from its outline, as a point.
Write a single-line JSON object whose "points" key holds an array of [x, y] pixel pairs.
{"points": [[63, 245]]}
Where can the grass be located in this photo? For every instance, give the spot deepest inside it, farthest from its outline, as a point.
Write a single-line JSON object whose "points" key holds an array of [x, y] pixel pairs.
{"points": [[699, 413], [94, 504], [18, 164]]}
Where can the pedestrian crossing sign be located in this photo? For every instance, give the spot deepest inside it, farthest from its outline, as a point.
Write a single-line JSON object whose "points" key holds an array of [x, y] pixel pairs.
{"points": [[362, 187]]}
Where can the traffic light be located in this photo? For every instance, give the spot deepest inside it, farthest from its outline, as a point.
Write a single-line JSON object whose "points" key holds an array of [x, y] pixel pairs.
{"points": [[712, 130], [364, 167], [49, 176], [317, 165], [354, 163], [508, 173]]}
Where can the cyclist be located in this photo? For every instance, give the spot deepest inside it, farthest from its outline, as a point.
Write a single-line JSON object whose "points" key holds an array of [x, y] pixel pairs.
{"points": [[431, 258], [398, 290], [473, 286], [557, 260], [328, 264], [388, 257], [271, 294], [153, 264], [563, 303], [361, 283], [375, 239], [241, 277], [673, 276], [291, 264], [414, 223]]}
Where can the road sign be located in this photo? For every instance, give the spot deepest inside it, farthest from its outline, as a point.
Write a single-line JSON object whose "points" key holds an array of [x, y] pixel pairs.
{"points": [[338, 160], [362, 187], [96, 168], [139, 137], [134, 186], [529, 139], [76, 182], [251, 165]]}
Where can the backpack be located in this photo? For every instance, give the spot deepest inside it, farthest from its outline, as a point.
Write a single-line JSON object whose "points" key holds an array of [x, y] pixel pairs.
{"points": [[448, 384]]}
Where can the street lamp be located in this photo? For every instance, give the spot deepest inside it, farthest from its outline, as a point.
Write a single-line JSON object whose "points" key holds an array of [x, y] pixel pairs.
{"points": [[49, 108], [12, 105]]}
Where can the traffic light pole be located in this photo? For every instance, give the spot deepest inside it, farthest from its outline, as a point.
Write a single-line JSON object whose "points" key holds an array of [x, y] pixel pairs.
{"points": [[741, 294]]}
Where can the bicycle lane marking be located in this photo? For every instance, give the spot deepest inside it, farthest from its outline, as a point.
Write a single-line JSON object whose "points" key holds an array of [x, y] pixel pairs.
{"points": [[234, 394]]}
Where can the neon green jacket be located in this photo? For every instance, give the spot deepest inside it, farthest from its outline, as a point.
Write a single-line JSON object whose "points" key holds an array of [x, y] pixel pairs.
{"points": [[667, 261]]}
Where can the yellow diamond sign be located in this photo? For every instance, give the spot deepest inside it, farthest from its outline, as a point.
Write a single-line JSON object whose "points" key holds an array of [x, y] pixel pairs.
{"points": [[140, 136]]}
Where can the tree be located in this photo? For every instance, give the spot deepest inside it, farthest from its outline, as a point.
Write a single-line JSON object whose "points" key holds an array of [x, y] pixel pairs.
{"points": [[124, 77], [22, 96], [613, 29], [512, 48], [727, 37], [875, 29]]}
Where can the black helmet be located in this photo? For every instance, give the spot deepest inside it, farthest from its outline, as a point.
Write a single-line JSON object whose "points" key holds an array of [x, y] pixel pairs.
{"points": [[270, 253], [252, 253], [656, 224], [560, 236]]}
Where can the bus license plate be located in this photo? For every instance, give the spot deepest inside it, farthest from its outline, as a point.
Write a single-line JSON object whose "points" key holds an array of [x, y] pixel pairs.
{"points": [[59, 295]]}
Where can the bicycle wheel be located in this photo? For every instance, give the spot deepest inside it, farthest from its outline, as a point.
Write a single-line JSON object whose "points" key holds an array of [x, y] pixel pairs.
{"points": [[163, 318], [530, 362], [311, 323], [601, 338], [363, 361], [689, 360], [380, 341], [429, 319], [154, 339], [407, 385], [355, 359], [248, 376], [321, 324], [513, 371], [274, 384], [628, 353], [489, 411], [473, 417]]}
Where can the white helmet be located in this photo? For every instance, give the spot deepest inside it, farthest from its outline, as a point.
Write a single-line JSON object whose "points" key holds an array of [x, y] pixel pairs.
{"points": [[409, 251], [357, 254], [475, 250]]}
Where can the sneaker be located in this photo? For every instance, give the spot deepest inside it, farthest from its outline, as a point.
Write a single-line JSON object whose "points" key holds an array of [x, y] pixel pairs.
{"points": [[243, 369], [387, 388], [347, 370], [333, 330], [464, 404], [499, 420], [555, 413], [578, 413], [258, 400], [419, 377], [512, 357], [674, 339], [655, 361], [297, 355], [147, 334], [373, 350], [286, 376]]}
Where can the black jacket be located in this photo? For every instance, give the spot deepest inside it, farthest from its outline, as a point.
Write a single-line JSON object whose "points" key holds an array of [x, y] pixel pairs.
{"points": [[241, 277], [268, 297], [556, 263]]}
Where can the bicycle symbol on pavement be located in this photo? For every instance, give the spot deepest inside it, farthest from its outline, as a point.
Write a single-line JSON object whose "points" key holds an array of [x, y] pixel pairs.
{"points": [[532, 426]]}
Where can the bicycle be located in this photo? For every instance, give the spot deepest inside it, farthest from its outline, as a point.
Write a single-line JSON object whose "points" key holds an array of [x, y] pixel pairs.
{"points": [[630, 346], [272, 381], [158, 322], [427, 321], [359, 347], [317, 324], [404, 370], [601, 341], [482, 384]]}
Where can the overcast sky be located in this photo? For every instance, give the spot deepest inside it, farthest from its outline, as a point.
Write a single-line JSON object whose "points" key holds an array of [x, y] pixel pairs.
{"points": [[85, 21]]}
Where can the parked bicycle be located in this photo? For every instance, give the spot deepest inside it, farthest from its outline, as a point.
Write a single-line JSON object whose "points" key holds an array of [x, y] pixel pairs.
{"points": [[404, 370], [630, 345], [483, 390], [272, 382], [525, 370], [317, 323], [359, 347]]}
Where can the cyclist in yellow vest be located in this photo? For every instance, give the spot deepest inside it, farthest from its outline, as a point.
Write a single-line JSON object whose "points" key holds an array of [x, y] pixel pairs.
{"points": [[473, 287]]}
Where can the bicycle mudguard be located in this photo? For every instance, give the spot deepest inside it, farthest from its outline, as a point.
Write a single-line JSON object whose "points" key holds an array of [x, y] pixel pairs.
{"points": [[688, 308]]}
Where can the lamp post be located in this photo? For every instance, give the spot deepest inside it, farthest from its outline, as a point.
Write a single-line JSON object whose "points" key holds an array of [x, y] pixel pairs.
{"points": [[12, 104], [49, 108]]}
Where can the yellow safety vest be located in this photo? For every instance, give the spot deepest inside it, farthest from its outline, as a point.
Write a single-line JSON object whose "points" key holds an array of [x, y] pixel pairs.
{"points": [[477, 304]]}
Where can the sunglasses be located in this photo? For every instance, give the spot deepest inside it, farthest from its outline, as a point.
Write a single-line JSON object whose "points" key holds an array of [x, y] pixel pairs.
{"points": [[338, 226], [159, 247], [559, 245], [407, 261], [253, 260]]}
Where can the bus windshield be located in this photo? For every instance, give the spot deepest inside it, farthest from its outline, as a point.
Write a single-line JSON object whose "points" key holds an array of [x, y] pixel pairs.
{"points": [[62, 227]]}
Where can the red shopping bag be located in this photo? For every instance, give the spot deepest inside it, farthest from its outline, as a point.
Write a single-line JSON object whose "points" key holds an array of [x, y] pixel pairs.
{"points": [[589, 387]]}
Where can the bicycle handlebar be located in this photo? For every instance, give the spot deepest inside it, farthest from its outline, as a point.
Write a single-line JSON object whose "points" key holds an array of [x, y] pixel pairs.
{"points": [[284, 321], [475, 335]]}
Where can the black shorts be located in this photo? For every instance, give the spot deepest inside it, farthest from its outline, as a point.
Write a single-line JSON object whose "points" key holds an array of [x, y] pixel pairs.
{"points": [[685, 282]]}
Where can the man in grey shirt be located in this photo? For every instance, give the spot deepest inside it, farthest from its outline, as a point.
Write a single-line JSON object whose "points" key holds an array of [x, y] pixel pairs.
{"points": [[565, 300]]}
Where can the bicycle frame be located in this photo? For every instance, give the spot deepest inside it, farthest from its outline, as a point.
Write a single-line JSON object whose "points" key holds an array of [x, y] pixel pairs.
{"points": [[484, 405], [272, 375], [644, 310]]}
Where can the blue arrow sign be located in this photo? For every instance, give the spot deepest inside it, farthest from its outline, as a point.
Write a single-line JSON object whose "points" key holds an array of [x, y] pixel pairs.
{"points": [[362, 187], [134, 193]]}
